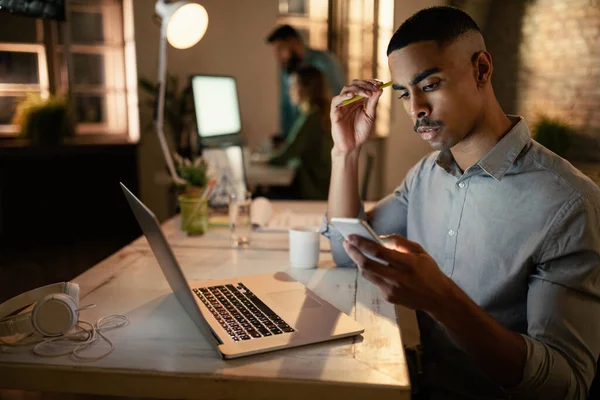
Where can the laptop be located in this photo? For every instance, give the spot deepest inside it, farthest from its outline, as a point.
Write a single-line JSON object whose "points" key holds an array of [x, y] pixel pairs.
{"points": [[249, 314]]}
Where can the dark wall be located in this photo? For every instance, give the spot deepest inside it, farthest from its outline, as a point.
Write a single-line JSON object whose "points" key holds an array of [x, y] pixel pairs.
{"points": [[62, 211], [502, 34]]}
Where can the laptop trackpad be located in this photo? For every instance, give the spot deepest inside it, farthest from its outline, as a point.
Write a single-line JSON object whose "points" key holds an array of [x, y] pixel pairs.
{"points": [[293, 300]]}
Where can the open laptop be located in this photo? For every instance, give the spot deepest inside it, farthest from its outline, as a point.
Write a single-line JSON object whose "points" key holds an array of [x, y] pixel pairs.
{"points": [[250, 314]]}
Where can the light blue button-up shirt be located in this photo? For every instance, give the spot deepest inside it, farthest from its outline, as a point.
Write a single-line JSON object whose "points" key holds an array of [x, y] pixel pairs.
{"points": [[519, 232]]}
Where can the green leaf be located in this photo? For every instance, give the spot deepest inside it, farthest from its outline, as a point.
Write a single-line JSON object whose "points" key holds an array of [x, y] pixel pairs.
{"points": [[553, 134]]}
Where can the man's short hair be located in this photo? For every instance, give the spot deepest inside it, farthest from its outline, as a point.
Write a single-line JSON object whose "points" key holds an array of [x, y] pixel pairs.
{"points": [[443, 24], [283, 32]]}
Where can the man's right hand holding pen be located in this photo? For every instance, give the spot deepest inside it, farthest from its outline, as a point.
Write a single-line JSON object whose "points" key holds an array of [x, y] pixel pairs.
{"points": [[351, 126]]}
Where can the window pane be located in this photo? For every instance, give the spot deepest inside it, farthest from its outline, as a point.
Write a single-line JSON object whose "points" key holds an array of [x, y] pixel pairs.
{"points": [[355, 41], [8, 104], [18, 67], [90, 108], [104, 26], [386, 15], [304, 34], [88, 69], [17, 29], [293, 7], [86, 28]]}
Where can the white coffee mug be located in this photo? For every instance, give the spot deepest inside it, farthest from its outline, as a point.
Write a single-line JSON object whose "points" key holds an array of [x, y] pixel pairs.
{"points": [[304, 247]]}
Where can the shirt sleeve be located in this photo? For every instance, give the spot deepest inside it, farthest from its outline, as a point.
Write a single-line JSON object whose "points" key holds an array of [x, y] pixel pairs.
{"points": [[287, 111], [334, 73], [387, 217], [563, 307]]}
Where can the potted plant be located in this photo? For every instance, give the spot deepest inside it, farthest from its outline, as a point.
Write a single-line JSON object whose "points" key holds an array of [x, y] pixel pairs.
{"points": [[44, 122], [192, 194], [553, 134]]}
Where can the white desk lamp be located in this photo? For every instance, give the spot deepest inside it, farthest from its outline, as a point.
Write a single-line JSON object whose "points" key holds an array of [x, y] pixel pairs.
{"points": [[183, 24]]}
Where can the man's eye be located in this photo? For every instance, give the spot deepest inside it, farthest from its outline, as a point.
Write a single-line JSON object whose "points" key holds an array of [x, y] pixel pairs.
{"points": [[403, 96], [430, 87]]}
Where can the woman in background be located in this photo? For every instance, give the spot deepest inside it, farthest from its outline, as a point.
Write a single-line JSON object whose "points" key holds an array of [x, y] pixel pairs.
{"points": [[309, 143]]}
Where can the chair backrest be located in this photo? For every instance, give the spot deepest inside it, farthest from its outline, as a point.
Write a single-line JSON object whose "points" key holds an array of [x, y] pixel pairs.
{"points": [[367, 176]]}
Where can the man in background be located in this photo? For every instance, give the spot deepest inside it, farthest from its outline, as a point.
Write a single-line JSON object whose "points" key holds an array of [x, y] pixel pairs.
{"points": [[291, 53]]}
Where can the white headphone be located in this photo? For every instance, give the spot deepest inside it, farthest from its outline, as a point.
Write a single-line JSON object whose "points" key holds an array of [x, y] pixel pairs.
{"points": [[55, 313]]}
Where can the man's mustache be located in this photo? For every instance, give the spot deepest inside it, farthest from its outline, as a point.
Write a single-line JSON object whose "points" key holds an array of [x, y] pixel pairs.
{"points": [[427, 123]]}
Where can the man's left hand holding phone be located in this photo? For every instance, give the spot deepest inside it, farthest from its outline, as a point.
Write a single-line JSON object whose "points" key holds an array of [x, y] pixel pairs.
{"points": [[358, 227]]}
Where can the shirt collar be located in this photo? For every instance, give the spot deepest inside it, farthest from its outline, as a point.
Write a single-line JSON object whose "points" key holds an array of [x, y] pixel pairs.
{"points": [[499, 159]]}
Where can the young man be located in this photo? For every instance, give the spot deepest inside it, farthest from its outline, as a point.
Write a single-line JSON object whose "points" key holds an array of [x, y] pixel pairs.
{"points": [[291, 53], [496, 240]]}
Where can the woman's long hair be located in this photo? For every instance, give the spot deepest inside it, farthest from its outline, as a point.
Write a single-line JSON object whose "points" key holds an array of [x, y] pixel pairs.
{"points": [[313, 86]]}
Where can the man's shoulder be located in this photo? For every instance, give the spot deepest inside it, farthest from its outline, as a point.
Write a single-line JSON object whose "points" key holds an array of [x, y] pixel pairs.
{"points": [[421, 170], [426, 164], [321, 57], [559, 175]]}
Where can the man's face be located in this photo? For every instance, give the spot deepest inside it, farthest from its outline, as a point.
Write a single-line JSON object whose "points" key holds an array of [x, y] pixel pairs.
{"points": [[438, 90], [286, 54]]}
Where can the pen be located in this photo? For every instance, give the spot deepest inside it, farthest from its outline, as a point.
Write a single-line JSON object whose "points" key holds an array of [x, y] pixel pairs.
{"points": [[358, 97]]}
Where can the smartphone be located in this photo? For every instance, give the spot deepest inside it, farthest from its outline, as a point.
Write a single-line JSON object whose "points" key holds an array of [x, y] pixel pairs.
{"points": [[358, 227]]}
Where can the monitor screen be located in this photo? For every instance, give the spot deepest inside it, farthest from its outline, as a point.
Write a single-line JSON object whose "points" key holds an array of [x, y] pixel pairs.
{"points": [[216, 106], [227, 166]]}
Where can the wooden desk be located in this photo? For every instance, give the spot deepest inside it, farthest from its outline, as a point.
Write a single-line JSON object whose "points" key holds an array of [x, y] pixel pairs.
{"points": [[162, 354], [219, 238]]}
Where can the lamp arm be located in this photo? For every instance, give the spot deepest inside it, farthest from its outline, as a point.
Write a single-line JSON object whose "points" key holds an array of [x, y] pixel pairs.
{"points": [[160, 115]]}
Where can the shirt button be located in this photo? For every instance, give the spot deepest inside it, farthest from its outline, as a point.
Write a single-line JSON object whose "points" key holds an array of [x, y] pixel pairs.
{"points": [[461, 185], [451, 232]]}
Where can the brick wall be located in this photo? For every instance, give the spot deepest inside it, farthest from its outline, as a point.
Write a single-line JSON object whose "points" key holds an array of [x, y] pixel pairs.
{"points": [[546, 57], [560, 62]]}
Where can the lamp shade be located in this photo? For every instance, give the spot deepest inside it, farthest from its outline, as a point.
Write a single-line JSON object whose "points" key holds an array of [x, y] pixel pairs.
{"points": [[187, 25]]}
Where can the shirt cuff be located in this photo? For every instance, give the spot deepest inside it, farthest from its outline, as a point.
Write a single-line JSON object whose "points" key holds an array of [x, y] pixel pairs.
{"points": [[329, 230], [336, 240]]}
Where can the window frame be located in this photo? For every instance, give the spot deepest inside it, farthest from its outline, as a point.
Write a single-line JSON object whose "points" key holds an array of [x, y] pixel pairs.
{"points": [[118, 90], [22, 89]]}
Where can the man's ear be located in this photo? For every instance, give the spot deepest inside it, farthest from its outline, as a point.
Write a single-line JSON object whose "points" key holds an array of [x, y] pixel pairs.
{"points": [[482, 64]]}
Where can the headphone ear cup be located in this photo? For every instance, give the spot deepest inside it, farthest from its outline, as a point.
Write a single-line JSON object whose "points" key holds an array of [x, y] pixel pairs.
{"points": [[73, 292], [55, 315]]}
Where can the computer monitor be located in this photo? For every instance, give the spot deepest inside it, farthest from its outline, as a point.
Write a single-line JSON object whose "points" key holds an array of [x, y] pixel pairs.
{"points": [[217, 110]]}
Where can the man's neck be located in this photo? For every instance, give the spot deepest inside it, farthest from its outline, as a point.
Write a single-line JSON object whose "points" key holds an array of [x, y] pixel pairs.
{"points": [[482, 139]]}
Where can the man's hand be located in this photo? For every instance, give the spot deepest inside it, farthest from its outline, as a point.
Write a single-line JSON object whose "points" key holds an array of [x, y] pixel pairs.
{"points": [[351, 125], [412, 279]]}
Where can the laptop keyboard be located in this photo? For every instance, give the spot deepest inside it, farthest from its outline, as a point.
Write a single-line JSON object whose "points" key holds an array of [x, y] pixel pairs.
{"points": [[241, 313]]}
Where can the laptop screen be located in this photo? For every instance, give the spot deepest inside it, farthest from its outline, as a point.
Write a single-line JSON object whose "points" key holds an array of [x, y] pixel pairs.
{"points": [[216, 106]]}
